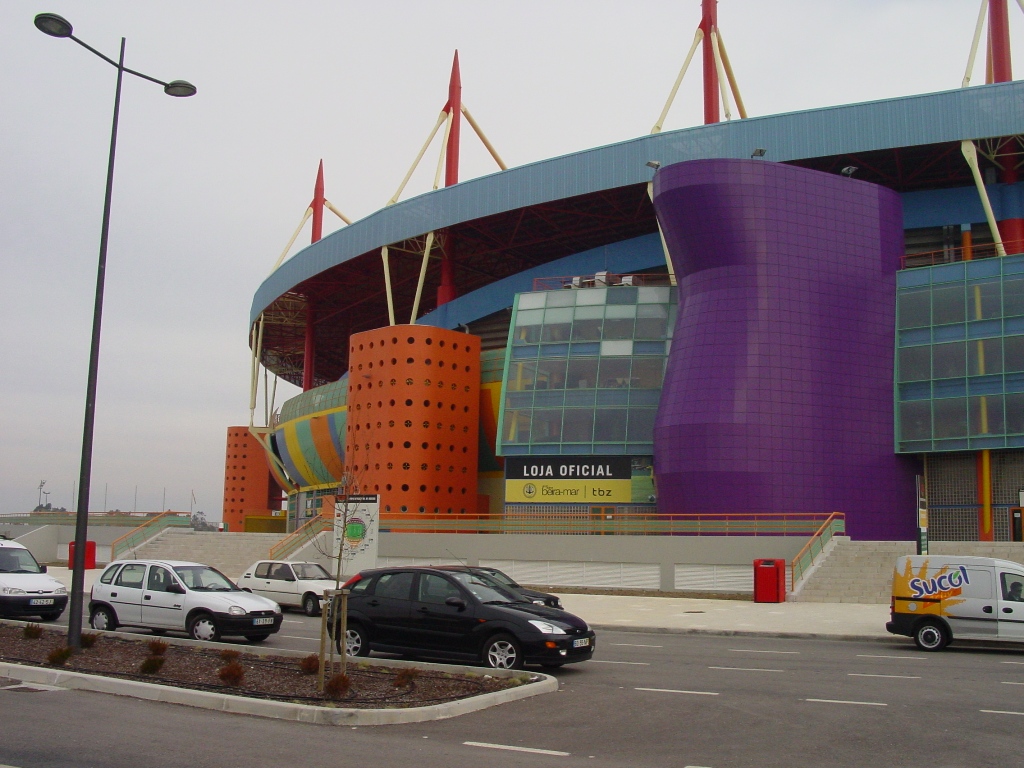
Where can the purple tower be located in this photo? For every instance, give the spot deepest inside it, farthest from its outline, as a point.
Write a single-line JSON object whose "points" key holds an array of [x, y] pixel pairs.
{"points": [[779, 391]]}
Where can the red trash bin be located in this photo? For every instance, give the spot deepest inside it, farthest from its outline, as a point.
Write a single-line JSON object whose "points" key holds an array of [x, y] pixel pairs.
{"points": [[769, 580], [90, 555]]}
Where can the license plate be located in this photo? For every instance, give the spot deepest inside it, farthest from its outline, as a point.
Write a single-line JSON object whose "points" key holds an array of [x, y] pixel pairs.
{"points": [[41, 601], [268, 620], [583, 642]]}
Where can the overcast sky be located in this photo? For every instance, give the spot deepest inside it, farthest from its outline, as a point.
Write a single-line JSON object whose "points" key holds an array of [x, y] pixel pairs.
{"points": [[209, 189]]}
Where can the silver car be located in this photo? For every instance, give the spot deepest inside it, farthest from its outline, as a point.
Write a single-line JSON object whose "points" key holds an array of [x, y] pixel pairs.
{"points": [[169, 595]]}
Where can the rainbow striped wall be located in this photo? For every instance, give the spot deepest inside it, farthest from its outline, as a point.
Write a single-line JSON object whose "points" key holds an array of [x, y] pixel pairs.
{"points": [[312, 447]]}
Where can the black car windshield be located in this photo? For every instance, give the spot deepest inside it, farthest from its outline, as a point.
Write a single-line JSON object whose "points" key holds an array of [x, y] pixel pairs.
{"points": [[484, 589], [500, 577], [203, 578], [16, 560], [310, 571]]}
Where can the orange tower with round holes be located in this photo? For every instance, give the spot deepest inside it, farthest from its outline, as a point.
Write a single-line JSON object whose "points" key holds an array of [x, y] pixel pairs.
{"points": [[414, 419]]}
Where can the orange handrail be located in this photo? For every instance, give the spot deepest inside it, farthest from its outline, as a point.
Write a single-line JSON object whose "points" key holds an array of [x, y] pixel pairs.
{"points": [[835, 517], [289, 543], [136, 536]]}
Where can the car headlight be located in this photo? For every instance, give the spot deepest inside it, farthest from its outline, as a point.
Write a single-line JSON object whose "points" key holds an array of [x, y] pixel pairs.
{"points": [[60, 591], [547, 628], [538, 601], [12, 591], [236, 610]]}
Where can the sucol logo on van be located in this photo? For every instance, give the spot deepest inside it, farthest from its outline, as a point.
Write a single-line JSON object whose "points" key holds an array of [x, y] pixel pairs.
{"points": [[947, 582]]}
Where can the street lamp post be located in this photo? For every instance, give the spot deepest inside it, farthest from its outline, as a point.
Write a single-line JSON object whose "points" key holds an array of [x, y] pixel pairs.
{"points": [[57, 26]]}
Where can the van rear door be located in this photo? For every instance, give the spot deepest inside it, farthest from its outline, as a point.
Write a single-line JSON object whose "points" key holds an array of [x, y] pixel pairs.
{"points": [[1011, 605]]}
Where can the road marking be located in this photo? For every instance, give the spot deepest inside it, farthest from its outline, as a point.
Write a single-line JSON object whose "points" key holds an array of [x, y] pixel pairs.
{"points": [[636, 645], [1013, 662], [1006, 682], [531, 750], [748, 650], [1000, 712], [287, 621], [634, 663], [840, 701], [748, 669], [899, 677], [869, 656], [672, 690], [297, 637]]}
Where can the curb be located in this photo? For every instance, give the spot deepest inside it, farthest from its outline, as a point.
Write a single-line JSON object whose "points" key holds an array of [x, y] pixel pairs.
{"points": [[746, 633], [280, 710]]}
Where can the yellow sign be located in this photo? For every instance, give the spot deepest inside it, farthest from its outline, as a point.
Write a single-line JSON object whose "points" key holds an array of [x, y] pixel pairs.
{"points": [[569, 491]]}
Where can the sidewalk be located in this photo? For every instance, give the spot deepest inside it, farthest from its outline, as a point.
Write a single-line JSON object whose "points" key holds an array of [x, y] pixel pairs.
{"points": [[697, 616]]}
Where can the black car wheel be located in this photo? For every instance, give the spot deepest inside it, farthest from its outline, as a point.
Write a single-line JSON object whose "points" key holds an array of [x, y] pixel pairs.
{"points": [[103, 619], [930, 636], [203, 627], [503, 652], [357, 643], [311, 605]]}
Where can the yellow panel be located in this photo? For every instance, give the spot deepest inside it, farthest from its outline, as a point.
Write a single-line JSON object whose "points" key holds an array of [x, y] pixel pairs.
{"points": [[569, 491]]}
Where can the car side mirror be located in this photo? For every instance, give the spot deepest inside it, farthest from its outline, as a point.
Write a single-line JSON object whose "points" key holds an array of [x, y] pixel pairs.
{"points": [[175, 588], [42, 569], [456, 602]]}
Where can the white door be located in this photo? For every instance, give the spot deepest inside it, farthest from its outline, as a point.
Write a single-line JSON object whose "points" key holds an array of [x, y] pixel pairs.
{"points": [[976, 615], [161, 608], [126, 593], [1011, 605]]}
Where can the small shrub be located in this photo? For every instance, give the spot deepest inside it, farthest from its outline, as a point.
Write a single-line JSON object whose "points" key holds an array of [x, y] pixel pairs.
{"points": [[231, 673], [157, 647], [89, 639], [32, 631], [152, 665], [310, 665], [58, 656], [229, 655], [405, 677], [337, 686]]}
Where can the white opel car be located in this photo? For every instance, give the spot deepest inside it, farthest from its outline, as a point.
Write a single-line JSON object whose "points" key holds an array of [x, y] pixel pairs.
{"points": [[296, 585], [25, 589], [168, 595]]}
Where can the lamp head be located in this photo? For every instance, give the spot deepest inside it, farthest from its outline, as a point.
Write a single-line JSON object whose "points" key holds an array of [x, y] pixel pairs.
{"points": [[849, 170], [53, 25], [759, 152], [180, 88], [655, 164]]}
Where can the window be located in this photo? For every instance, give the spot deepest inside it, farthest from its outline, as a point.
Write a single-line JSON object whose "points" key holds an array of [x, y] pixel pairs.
{"points": [[108, 575], [281, 572], [984, 356], [916, 420], [551, 374], [614, 372], [948, 360], [262, 571], [950, 417], [987, 415], [582, 373], [983, 299], [436, 589], [578, 425], [159, 579], [948, 304], [1013, 586], [131, 576], [914, 307], [394, 585], [611, 427]]}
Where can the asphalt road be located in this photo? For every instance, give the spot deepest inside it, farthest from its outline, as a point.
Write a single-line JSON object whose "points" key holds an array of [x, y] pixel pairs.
{"points": [[645, 700]]}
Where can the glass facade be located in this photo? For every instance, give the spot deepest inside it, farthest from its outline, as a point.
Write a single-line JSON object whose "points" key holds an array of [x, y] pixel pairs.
{"points": [[584, 370], [960, 356]]}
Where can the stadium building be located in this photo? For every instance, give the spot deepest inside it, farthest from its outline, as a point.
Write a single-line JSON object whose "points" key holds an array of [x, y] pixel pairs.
{"points": [[803, 313]]}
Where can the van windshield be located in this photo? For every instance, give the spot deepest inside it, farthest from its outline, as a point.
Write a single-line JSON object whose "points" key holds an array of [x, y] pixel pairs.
{"points": [[17, 560]]}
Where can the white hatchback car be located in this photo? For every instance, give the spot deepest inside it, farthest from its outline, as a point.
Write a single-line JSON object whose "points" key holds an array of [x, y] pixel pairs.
{"points": [[25, 589], [169, 595], [298, 585]]}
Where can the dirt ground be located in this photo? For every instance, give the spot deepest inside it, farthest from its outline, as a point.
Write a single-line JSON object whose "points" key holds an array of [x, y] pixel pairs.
{"points": [[266, 677]]}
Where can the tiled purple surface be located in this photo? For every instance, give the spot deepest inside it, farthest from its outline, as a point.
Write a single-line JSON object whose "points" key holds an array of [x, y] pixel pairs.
{"points": [[779, 395]]}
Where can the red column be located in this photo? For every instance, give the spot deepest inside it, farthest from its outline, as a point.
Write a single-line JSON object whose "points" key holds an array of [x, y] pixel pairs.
{"points": [[446, 290], [309, 349], [1011, 230], [709, 22]]}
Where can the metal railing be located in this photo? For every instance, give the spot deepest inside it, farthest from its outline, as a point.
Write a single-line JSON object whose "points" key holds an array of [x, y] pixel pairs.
{"points": [[301, 536], [600, 523], [126, 519], [598, 280], [950, 255], [136, 537], [835, 525]]}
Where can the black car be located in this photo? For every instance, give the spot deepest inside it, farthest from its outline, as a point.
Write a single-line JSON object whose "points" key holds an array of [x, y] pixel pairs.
{"points": [[456, 614], [503, 579]]}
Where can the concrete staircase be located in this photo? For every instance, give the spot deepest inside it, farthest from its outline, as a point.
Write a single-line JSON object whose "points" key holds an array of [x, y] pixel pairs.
{"points": [[230, 553], [861, 571]]}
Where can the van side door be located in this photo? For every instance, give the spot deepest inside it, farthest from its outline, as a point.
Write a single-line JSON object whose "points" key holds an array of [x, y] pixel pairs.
{"points": [[1011, 605], [973, 612]]}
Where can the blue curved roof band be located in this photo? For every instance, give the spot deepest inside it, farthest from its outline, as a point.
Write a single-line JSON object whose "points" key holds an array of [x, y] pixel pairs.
{"points": [[977, 112]]}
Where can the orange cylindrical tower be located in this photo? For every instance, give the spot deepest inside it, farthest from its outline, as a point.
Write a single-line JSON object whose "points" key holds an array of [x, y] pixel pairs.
{"points": [[414, 419]]}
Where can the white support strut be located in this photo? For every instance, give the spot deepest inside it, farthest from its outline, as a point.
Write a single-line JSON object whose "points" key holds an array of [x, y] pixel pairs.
{"points": [[387, 285], [974, 43], [423, 277], [722, 79], [971, 156], [444, 150], [298, 229], [401, 187], [732, 77], [486, 143], [675, 88]]}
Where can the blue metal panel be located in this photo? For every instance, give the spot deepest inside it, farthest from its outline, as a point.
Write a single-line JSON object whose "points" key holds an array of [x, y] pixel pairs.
{"points": [[974, 113]]}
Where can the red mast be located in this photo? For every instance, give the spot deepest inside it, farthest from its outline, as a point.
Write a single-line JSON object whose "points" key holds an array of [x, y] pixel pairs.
{"points": [[446, 290], [309, 349], [709, 24], [1011, 230]]}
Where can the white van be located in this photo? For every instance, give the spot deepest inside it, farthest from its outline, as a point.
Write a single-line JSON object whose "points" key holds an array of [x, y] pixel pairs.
{"points": [[936, 599], [25, 589]]}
